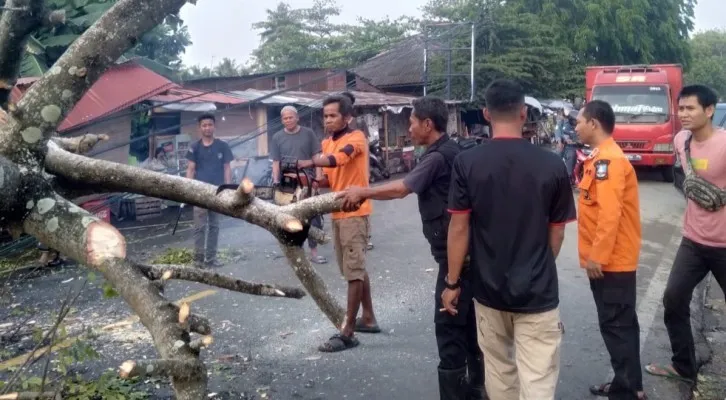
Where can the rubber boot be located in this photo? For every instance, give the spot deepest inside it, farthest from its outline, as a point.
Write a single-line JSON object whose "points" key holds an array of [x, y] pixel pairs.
{"points": [[453, 384], [477, 391]]}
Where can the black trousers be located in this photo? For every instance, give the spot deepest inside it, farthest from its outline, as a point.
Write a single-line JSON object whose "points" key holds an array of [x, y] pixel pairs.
{"points": [[614, 297], [456, 336], [693, 262]]}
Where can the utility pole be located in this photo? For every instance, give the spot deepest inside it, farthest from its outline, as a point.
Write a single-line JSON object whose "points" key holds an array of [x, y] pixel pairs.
{"points": [[434, 43]]}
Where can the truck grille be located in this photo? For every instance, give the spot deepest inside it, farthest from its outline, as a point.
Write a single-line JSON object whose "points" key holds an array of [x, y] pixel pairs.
{"points": [[632, 144]]}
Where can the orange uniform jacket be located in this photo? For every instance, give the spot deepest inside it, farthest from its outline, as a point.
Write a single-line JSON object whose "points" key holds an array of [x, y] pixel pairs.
{"points": [[349, 159], [609, 230]]}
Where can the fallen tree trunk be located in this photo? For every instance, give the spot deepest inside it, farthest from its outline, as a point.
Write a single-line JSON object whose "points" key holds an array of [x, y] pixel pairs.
{"points": [[37, 169]]}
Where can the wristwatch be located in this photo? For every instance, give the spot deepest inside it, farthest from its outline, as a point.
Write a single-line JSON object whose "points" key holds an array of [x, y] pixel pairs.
{"points": [[451, 286]]}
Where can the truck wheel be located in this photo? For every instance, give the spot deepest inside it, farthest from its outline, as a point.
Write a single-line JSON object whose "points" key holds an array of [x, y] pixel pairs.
{"points": [[668, 175]]}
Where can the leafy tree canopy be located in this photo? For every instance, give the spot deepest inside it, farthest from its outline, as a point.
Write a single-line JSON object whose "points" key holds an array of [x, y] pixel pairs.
{"points": [[709, 60], [306, 37], [164, 44], [226, 68]]}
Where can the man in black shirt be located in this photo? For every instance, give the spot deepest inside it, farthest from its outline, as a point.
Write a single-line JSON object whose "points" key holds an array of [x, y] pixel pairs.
{"points": [[455, 334], [512, 199], [209, 161]]}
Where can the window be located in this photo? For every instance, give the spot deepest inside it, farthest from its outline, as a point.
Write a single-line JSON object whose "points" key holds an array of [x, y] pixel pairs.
{"points": [[641, 104], [279, 82]]}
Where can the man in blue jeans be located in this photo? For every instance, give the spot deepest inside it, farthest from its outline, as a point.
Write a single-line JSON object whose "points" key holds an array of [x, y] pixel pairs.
{"points": [[209, 161]]}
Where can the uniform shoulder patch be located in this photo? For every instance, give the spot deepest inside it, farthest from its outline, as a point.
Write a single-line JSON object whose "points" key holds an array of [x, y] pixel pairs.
{"points": [[601, 169]]}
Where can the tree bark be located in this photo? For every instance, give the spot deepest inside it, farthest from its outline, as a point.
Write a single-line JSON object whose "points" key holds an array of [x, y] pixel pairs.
{"points": [[155, 272], [48, 101], [100, 246], [20, 18], [35, 169]]}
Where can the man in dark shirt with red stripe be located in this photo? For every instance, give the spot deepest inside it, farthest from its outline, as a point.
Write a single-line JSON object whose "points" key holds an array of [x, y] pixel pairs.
{"points": [[509, 201]]}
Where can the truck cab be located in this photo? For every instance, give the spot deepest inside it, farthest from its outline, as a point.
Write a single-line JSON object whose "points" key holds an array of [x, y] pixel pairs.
{"points": [[644, 99]]}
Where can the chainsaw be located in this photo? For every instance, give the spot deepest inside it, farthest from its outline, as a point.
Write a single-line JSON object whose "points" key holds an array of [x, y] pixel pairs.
{"points": [[295, 184]]}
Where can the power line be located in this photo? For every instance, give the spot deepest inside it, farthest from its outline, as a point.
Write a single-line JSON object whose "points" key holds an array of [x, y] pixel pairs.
{"points": [[262, 77], [246, 137]]}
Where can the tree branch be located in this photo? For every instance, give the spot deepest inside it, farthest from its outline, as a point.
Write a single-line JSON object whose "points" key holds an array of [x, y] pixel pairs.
{"points": [[124, 178], [156, 272], [314, 284], [72, 231], [50, 99], [116, 177], [16, 23], [79, 144], [160, 368]]}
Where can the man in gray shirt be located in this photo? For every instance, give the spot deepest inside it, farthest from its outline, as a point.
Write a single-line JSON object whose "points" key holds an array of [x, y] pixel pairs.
{"points": [[299, 143], [209, 161]]}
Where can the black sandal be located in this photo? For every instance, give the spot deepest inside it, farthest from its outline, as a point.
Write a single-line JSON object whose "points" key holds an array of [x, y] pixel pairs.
{"points": [[604, 390], [339, 342]]}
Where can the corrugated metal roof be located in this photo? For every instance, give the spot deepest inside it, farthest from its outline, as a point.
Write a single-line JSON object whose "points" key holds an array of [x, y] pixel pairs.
{"points": [[119, 87], [178, 94], [253, 95], [315, 99]]}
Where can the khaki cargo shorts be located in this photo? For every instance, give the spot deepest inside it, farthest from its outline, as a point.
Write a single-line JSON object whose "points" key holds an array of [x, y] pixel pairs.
{"points": [[351, 239]]}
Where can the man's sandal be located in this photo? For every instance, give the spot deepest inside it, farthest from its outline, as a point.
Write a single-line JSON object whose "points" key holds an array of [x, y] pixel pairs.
{"points": [[604, 391], [339, 342], [666, 372]]}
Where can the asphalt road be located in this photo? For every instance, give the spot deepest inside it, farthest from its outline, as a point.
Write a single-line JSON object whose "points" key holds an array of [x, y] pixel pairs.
{"points": [[268, 346]]}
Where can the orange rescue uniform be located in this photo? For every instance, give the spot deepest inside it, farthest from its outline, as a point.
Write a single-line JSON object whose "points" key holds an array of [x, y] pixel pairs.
{"points": [[609, 231], [349, 159]]}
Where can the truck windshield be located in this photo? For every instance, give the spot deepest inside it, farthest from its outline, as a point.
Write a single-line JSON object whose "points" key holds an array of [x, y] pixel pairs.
{"points": [[641, 104]]}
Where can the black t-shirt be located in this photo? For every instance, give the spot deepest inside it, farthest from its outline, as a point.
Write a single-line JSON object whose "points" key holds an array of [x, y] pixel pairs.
{"points": [[514, 191], [210, 160], [425, 173]]}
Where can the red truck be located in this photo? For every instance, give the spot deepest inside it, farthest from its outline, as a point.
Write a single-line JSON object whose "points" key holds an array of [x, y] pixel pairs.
{"points": [[645, 101]]}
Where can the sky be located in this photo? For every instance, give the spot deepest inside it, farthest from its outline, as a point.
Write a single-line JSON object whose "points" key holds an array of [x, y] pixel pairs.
{"points": [[223, 28]]}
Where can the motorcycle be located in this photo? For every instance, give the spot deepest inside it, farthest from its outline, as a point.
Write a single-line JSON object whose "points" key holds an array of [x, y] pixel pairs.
{"points": [[378, 169], [467, 142], [582, 151]]}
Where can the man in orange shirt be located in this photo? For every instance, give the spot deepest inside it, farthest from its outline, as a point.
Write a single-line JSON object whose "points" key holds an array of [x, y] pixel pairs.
{"points": [[345, 162], [609, 239]]}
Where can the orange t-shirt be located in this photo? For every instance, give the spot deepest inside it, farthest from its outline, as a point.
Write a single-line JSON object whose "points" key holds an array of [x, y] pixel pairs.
{"points": [[609, 231], [348, 153]]}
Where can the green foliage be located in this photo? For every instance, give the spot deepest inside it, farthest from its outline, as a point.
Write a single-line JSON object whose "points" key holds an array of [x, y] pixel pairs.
{"points": [[73, 386], [510, 43], [164, 44], [306, 37], [546, 44], [175, 256], [109, 291], [10, 263], [612, 32], [709, 56]]}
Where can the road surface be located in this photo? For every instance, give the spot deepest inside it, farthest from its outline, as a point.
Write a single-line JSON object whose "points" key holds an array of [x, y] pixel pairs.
{"points": [[265, 345]]}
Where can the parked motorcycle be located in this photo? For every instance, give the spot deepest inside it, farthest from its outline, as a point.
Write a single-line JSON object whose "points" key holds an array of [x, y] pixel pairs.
{"points": [[378, 169], [581, 153]]}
